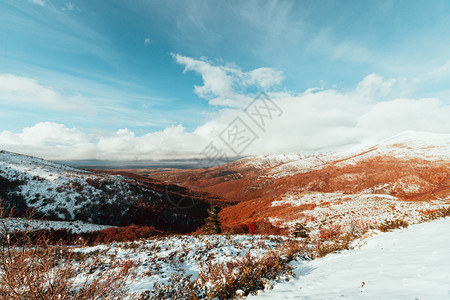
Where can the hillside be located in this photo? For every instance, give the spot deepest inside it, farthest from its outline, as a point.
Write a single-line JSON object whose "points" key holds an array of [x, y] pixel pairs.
{"points": [[58, 192], [329, 199], [406, 177]]}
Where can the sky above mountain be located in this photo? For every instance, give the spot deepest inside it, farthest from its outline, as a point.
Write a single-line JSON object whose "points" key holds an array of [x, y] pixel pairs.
{"points": [[130, 80]]}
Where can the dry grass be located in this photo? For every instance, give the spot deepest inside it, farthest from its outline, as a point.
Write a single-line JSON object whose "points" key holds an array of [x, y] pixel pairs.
{"points": [[228, 280], [323, 247], [42, 271], [388, 225]]}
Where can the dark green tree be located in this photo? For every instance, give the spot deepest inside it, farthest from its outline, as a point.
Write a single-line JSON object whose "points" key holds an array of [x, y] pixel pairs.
{"points": [[212, 222]]}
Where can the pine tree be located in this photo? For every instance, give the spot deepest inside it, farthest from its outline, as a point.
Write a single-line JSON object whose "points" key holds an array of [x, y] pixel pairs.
{"points": [[212, 222]]}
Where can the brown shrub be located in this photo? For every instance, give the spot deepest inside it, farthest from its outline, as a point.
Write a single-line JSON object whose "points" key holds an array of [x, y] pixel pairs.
{"points": [[120, 234], [40, 271], [332, 231], [48, 236], [337, 244], [223, 280], [300, 230], [388, 225], [357, 227], [437, 213], [179, 286], [248, 274], [259, 227]]}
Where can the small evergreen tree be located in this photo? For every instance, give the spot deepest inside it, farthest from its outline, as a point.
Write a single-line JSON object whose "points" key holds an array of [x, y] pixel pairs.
{"points": [[212, 222]]}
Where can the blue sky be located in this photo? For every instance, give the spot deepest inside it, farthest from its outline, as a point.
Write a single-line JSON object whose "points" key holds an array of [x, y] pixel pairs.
{"points": [[103, 66]]}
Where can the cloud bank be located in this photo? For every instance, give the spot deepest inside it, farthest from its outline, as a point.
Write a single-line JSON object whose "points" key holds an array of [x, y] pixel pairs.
{"points": [[315, 120], [17, 89]]}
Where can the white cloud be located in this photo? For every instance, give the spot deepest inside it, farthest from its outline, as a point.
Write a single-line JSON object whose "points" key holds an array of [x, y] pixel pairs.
{"points": [[55, 141], [216, 81], [385, 118], [264, 77], [225, 85], [147, 41], [38, 2], [316, 120], [69, 7], [49, 140], [15, 89], [375, 86]]}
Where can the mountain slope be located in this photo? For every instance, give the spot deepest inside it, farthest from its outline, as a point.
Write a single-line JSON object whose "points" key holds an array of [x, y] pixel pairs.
{"points": [[406, 176], [59, 192]]}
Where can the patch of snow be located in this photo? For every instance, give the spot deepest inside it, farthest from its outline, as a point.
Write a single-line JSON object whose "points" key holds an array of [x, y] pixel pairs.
{"points": [[327, 209], [270, 161], [408, 145], [405, 264], [159, 258], [19, 224]]}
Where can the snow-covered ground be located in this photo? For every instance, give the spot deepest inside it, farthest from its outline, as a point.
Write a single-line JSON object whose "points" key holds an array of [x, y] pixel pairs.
{"points": [[19, 224], [160, 258], [346, 209], [412, 263]]}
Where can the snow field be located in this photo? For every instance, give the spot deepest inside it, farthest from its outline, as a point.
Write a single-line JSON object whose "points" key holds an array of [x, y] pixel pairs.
{"points": [[411, 263], [159, 258]]}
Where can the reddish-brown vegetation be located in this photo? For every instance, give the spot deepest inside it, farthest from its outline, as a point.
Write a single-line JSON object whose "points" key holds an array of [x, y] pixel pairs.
{"points": [[120, 234], [407, 179], [67, 237], [32, 268], [259, 227]]}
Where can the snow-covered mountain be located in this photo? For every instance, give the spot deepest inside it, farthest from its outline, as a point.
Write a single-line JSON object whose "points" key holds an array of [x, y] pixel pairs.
{"points": [[407, 145], [60, 192], [410, 144], [405, 176]]}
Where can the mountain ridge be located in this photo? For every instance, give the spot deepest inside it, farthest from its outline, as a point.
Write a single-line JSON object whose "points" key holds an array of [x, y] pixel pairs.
{"points": [[59, 192], [410, 171]]}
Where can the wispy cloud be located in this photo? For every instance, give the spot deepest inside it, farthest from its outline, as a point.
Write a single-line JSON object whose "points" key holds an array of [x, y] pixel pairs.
{"points": [[38, 2], [69, 6], [16, 89], [58, 34], [147, 41]]}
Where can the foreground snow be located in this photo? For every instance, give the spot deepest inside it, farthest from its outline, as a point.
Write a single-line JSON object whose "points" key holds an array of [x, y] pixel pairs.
{"points": [[160, 258], [411, 263]]}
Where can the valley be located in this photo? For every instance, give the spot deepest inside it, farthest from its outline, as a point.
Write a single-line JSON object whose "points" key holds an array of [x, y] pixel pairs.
{"points": [[275, 213]]}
